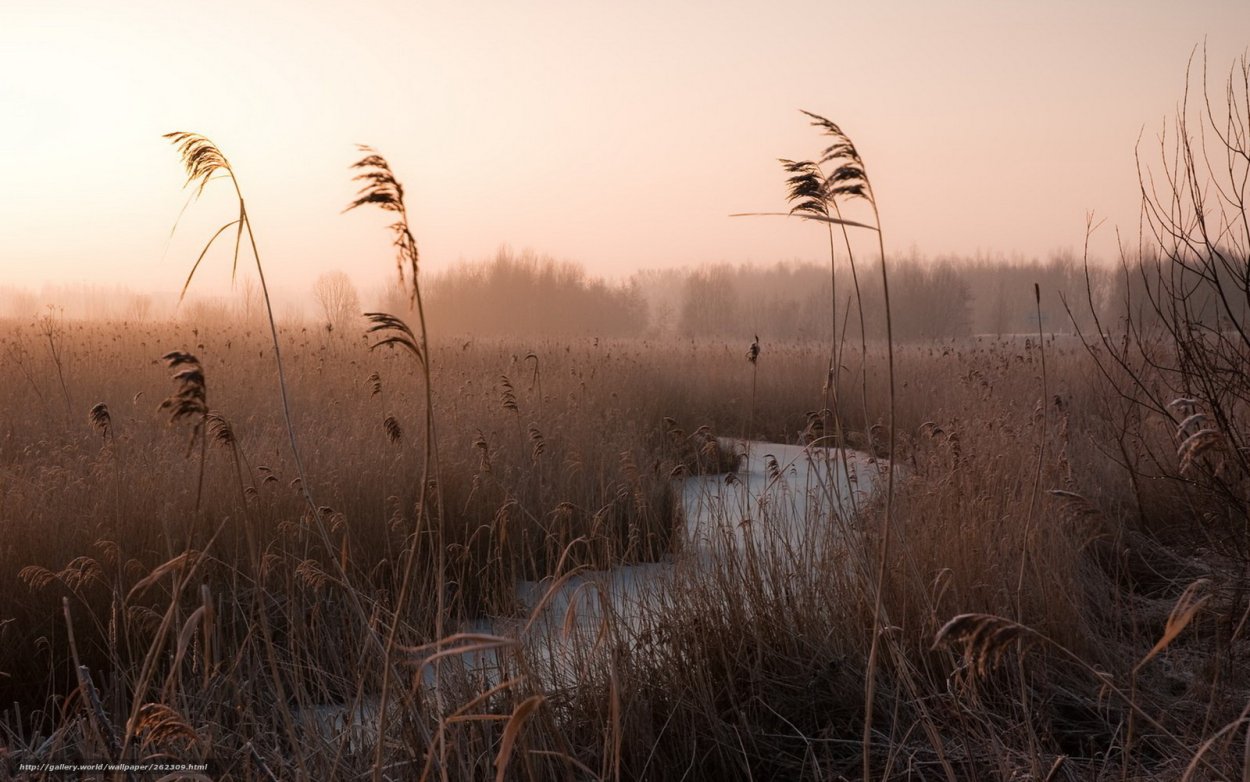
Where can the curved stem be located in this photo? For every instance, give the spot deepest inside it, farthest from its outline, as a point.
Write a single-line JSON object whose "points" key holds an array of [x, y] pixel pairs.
{"points": [[887, 522]]}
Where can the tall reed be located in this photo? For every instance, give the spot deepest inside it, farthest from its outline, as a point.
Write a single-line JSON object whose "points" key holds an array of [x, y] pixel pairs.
{"points": [[380, 188], [815, 189], [203, 162]]}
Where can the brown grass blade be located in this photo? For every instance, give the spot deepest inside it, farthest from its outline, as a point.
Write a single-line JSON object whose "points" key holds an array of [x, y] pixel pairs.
{"points": [[183, 559], [556, 585], [1213, 740], [1187, 606], [807, 216], [184, 643], [510, 732], [204, 252], [455, 645]]}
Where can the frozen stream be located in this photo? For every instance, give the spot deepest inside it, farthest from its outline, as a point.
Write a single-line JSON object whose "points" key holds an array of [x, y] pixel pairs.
{"points": [[771, 505], [780, 497]]}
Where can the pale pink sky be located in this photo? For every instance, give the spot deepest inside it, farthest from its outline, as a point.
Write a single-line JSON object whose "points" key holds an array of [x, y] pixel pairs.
{"points": [[619, 135]]}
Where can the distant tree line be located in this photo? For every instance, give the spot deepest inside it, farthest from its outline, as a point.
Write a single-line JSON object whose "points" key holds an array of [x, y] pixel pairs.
{"points": [[944, 298], [532, 295]]}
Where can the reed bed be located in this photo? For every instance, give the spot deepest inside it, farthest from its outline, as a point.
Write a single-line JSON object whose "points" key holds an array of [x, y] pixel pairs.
{"points": [[139, 622]]}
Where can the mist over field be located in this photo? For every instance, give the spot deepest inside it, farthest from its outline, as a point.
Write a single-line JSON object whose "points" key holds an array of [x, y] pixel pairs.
{"points": [[530, 294]]}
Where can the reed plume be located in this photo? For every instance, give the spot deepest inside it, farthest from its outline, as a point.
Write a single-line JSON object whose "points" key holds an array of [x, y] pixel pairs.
{"points": [[396, 332], [380, 188], [100, 419], [190, 400], [220, 431], [394, 432]]}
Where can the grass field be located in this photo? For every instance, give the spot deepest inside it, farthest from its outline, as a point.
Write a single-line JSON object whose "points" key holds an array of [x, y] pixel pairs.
{"points": [[365, 552], [214, 630]]}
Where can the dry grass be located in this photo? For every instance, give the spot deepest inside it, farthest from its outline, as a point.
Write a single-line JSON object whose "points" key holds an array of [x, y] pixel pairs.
{"points": [[242, 601]]}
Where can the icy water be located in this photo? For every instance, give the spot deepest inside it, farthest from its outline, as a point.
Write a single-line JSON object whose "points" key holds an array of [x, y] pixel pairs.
{"points": [[780, 499]]}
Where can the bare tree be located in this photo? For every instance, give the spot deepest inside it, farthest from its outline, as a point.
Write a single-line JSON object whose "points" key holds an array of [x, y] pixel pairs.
{"points": [[250, 302], [337, 297], [140, 308], [1181, 362]]}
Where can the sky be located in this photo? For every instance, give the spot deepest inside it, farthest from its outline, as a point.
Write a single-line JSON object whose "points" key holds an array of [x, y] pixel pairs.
{"points": [[617, 135]]}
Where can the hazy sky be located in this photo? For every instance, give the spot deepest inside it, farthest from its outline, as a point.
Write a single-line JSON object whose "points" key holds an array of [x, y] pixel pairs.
{"points": [[619, 135]]}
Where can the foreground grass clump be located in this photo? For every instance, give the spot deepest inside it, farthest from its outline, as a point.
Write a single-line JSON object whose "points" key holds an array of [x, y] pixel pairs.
{"points": [[566, 460]]}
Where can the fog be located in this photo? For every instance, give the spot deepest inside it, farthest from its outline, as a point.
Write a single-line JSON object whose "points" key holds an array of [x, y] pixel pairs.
{"points": [[529, 294]]}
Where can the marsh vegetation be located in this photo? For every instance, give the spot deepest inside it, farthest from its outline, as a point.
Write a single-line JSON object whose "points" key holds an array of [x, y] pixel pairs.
{"points": [[283, 567]]}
